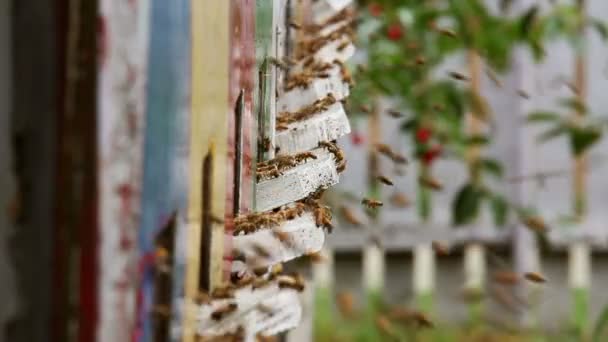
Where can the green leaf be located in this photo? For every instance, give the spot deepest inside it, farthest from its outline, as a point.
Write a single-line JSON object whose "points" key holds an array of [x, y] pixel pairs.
{"points": [[574, 104], [601, 28], [492, 166], [543, 116], [500, 209], [409, 124], [600, 331], [554, 132], [581, 139], [465, 207]]}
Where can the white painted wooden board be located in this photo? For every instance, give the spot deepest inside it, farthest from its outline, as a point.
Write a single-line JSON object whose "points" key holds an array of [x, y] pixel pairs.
{"points": [[283, 303], [325, 9], [297, 182], [306, 135], [303, 237], [298, 98]]}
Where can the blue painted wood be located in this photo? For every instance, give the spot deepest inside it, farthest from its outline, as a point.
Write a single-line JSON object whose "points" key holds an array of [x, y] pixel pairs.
{"points": [[165, 176]]}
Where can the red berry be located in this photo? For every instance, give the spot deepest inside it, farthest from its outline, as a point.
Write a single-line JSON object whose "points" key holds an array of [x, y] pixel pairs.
{"points": [[394, 32], [431, 154], [375, 9], [423, 135], [356, 138]]}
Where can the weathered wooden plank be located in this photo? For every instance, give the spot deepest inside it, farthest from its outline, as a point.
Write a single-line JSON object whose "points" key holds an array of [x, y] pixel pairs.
{"points": [[165, 173], [121, 103], [297, 182], [209, 132]]}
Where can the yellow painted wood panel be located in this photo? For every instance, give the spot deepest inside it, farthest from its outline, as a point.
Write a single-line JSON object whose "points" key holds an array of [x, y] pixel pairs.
{"points": [[209, 127]]}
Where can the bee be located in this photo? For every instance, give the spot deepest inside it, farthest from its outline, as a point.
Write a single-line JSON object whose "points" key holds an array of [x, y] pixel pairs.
{"points": [[305, 155], [217, 220], [278, 63], [295, 25], [384, 325], [394, 113], [535, 224], [365, 109], [316, 257], [385, 180], [260, 271], [343, 45], [438, 107], [161, 253], [349, 216], [447, 32], [492, 76], [276, 269], [281, 127], [281, 236], [400, 200], [523, 94], [440, 248], [430, 183], [503, 297], [535, 277], [506, 277], [245, 281], [295, 283], [385, 150], [220, 313], [420, 60], [323, 75], [371, 203], [361, 68], [261, 251], [224, 292], [458, 76], [399, 159], [421, 319], [202, 298], [346, 304]]}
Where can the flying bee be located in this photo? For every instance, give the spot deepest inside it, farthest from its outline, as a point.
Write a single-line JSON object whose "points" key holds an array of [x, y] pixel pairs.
{"points": [[492, 76], [361, 68], [440, 248], [261, 251], [295, 25], [346, 304], [523, 94], [349, 216], [323, 75], [385, 180], [447, 32], [400, 200], [535, 224], [281, 236], [420, 60], [365, 109], [282, 127], [244, 281], [430, 183], [438, 107], [276, 269], [220, 313], [535, 277], [384, 325], [371, 203], [399, 159], [394, 113], [506, 277], [503, 297], [385, 150], [421, 319], [458, 76]]}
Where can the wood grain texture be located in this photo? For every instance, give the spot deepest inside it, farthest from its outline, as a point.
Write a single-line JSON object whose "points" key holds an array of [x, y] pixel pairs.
{"points": [[209, 127]]}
